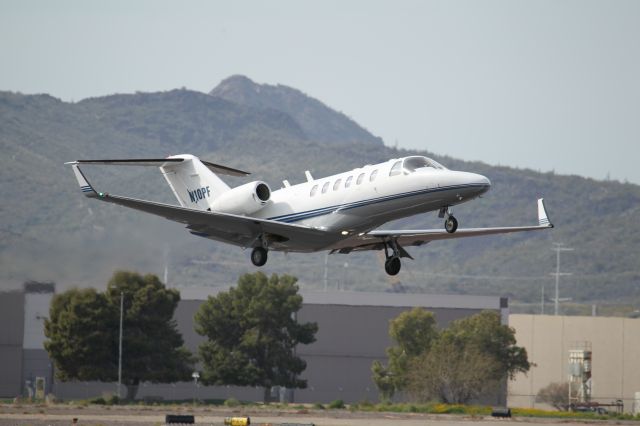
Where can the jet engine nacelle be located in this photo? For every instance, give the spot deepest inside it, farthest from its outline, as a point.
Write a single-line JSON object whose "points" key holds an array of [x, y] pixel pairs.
{"points": [[244, 199]]}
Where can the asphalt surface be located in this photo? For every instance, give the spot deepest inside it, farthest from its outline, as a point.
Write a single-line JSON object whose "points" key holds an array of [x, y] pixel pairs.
{"points": [[40, 415]]}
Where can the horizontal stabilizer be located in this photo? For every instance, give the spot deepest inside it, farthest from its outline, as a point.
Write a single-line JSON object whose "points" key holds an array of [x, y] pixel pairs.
{"points": [[161, 162]]}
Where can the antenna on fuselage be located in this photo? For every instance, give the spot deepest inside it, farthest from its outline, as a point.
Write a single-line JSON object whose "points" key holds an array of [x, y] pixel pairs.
{"points": [[307, 173]]}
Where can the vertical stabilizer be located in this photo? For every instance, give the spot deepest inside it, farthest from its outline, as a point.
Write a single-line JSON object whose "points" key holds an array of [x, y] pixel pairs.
{"points": [[193, 184]]}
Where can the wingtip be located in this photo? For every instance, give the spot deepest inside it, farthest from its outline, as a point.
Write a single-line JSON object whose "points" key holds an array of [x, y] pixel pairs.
{"points": [[85, 186], [543, 217]]}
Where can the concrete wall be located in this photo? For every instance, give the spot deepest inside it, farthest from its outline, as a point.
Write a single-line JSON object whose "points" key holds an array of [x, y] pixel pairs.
{"points": [[615, 345]]}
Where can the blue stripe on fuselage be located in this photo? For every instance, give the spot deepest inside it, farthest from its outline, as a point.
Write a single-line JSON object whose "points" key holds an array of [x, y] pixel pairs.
{"points": [[294, 217]]}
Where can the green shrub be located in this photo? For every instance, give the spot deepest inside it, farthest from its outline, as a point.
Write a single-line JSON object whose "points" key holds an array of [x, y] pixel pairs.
{"points": [[318, 406], [97, 401], [337, 404], [231, 402]]}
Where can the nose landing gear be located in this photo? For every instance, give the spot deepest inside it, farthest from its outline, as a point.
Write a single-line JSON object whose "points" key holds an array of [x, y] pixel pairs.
{"points": [[451, 223]]}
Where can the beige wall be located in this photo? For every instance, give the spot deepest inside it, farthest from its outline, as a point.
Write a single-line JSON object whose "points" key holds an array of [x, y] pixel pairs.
{"points": [[615, 345]]}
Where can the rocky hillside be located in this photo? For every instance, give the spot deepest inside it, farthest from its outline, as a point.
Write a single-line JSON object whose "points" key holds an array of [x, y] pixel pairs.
{"points": [[49, 231]]}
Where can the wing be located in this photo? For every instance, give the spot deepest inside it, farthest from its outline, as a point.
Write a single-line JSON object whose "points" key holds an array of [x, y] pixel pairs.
{"points": [[376, 240], [239, 230]]}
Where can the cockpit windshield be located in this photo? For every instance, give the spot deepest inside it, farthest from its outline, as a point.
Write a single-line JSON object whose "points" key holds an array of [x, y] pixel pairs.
{"points": [[411, 164]]}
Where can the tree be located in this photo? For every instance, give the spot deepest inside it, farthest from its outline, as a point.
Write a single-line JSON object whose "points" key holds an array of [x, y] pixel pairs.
{"points": [[83, 326], [454, 365], [414, 332], [556, 395], [484, 332], [80, 337], [252, 334], [451, 373]]}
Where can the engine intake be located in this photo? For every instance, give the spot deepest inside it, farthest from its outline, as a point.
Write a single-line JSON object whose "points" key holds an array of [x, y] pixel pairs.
{"points": [[244, 199]]}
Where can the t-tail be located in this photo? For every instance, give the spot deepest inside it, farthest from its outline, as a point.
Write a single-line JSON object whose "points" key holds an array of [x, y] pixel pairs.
{"points": [[194, 182]]}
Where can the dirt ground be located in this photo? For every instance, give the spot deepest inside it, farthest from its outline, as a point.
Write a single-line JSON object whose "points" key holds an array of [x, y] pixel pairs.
{"points": [[57, 415]]}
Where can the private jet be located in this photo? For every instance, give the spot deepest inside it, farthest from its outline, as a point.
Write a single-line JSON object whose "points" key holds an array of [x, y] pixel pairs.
{"points": [[339, 213]]}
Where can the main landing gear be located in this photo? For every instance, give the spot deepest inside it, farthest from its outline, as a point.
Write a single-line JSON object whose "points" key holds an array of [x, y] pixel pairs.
{"points": [[451, 223], [392, 264], [259, 256]]}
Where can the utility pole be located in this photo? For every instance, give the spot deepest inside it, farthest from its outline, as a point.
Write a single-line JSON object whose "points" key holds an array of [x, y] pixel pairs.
{"points": [[558, 248], [120, 346]]}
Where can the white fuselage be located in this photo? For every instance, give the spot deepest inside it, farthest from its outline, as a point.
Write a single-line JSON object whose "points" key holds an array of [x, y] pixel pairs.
{"points": [[367, 202]]}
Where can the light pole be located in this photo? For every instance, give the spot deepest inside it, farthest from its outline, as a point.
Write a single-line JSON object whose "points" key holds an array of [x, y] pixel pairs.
{"points": [[195, 376], [120, 346]]}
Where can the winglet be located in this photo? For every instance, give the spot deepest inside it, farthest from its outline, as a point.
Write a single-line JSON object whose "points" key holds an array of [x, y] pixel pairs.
{"points": [[543, 218], [85, 186]]}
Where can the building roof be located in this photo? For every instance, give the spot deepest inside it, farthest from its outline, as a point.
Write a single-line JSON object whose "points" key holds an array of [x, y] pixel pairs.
{"points": [[361, 298]]}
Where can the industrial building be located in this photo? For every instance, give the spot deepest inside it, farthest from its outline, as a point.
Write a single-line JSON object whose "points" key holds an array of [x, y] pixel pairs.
{"points": [[606, 351], [353, 332], [22, 355]]}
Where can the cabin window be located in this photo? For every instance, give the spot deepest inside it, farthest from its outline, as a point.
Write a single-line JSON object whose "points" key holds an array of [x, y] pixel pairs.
{"points": [[360, 179], [336, 185], [347, 183], [373, 175], [396, 169], [313, 190], [325, 187]]}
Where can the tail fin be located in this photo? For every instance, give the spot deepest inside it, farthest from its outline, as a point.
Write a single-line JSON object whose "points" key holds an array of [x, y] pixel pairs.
{"points": [[193, 181]]}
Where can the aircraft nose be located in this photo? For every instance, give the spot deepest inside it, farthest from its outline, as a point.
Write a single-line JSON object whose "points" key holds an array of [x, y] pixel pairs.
{"points": [[479, 183], [482, 181]]}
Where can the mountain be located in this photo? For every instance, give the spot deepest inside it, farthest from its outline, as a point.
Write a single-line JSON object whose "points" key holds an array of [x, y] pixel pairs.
{"points": [[319, 122], [49, 231]]}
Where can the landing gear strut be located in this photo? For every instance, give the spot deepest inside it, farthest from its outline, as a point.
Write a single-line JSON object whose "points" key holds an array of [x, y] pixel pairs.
{"points": [[259, 256], [392, 264]]}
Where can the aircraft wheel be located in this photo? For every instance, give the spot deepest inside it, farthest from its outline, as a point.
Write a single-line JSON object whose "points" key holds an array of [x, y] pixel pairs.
{"points": [[259, 256], [451, 224], [392, 265]]}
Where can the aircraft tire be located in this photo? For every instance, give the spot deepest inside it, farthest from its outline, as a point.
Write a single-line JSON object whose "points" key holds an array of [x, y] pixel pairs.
{"points": [[259, 256], [392, 265], [451, 224]]}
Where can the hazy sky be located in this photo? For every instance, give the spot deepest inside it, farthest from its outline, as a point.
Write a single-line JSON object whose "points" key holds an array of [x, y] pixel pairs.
{"points": [[548, 85]]}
